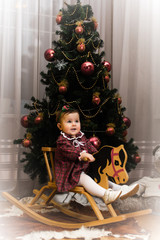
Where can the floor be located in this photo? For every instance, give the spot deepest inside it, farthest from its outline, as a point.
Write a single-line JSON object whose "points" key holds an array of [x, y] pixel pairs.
{"points": [[150, 223], [11, 228]]}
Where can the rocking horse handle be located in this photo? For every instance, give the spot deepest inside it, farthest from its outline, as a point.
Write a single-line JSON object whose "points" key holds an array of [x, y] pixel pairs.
{"points": [[85, 159]]}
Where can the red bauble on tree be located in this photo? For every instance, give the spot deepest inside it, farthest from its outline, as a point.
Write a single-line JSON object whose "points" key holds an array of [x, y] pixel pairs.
{"points": [[24, 121], [127, 121], [59, 18], [107, 78], [26, 142], [95, 141], [81, 47], [79, 29], [63, 86], [39, 118], [62, 89], [107, 65], [96, 100], [95, 25], [136, 158], [87, 68], [110, 131], [49, 54]]}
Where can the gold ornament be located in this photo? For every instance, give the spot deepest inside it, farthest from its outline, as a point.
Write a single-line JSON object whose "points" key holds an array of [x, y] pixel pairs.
{"points": [[111, 125], [29, 135], [79, 23], [96, 94], [81, 40], [95, 23], [64, 82], [94, 19]]}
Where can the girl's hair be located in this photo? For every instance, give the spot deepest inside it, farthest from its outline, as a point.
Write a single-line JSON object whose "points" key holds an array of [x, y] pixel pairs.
{"points": [[65, 110]]}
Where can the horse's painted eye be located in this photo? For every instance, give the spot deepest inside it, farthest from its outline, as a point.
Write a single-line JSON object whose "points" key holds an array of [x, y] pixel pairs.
{"points": [[116, 163]]}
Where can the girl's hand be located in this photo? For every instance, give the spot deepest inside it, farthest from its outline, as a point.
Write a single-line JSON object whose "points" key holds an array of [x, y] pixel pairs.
{"points": [[87, 157]]}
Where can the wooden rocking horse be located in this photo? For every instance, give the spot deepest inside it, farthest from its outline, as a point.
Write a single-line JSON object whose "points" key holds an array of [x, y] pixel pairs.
{"points": [[110, 161]]}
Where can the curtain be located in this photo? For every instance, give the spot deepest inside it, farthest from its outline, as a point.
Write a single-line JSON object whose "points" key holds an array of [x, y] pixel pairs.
{"points": [[26, 30], [135, 55]]}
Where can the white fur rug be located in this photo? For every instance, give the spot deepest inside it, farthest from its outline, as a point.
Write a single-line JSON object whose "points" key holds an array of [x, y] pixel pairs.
{"points": [[84, 233]]}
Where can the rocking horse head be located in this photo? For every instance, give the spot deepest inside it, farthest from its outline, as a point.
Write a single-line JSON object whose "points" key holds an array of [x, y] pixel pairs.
{"points": [[115, 168], [110, 161]]}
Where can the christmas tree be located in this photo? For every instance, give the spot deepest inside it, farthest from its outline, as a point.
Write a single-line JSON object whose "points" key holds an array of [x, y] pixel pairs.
{"points": [[77, 75]]}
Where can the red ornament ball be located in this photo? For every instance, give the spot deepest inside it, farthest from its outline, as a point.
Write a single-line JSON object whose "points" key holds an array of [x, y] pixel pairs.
{"points": [[95, 141], [127, 122], [96, 100], [110, 131], [38, 119], [107, 78], [49, 54], [119, 100], [62, 89], [81, 47], [125, 133], [95, 25], [137, 158], [26, 142], [24, 121], [107, 65], [58, 19], [87, 68], [79, 29]]}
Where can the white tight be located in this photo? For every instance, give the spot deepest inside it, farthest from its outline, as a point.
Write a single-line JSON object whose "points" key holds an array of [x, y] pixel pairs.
{"points": [[114, 186], [91, 186]]}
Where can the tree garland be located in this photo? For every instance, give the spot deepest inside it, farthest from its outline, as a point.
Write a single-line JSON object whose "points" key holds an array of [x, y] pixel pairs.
{"points": [[90, 116]]}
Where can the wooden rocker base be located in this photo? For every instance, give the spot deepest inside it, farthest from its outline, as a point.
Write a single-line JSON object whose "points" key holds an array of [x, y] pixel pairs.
{"points": [[85, 217], [50, 222]]}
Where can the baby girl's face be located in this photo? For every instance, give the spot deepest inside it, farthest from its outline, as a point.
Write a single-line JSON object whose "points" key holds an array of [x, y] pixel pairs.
{"points": [[70, 124]]}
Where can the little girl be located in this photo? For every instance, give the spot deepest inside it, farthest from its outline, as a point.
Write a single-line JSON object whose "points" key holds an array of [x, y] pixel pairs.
{"points": [[72, 157]]}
